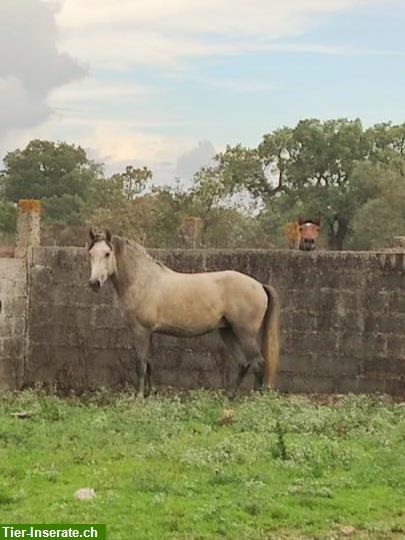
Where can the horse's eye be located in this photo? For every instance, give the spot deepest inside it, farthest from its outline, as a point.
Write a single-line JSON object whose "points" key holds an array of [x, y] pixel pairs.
{"points": [[107, 254]]}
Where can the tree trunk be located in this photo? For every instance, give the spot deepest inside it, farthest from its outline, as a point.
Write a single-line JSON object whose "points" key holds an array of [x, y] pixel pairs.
{"points": [[337, 234]]}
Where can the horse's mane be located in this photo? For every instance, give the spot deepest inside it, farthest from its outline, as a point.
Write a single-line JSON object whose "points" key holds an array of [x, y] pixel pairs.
{"points": [[134, 250]]}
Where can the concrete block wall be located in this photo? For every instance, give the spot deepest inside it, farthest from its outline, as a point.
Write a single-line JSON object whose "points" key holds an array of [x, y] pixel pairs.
{"points": [[13, 303], [343, 321]]}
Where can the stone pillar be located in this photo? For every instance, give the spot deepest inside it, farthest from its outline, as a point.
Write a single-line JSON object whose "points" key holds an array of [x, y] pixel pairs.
{"points": [[190, 232], [28, 225]]}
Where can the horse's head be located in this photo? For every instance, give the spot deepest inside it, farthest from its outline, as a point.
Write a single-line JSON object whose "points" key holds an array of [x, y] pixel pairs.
{"points": [[102, 259], [309, 232]]}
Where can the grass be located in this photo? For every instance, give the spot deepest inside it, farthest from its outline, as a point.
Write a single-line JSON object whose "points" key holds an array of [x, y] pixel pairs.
{"points": [[282, 468]]}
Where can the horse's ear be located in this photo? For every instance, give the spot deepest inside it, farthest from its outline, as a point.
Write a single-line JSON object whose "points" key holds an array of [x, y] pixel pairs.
{"points": [[92, 235], [108, 235], [317, 221], [301, 220]]}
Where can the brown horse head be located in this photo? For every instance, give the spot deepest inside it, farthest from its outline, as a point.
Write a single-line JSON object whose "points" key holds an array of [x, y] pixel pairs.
{"points": [[309, 232]]}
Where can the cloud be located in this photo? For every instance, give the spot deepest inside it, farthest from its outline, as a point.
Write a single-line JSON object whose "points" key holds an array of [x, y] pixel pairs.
{"points": [[30, 63], [192, 160], [43, 91], [92, 90], [19, 108], [169, 33], [116, 143], [120, 142], [212, 16]]}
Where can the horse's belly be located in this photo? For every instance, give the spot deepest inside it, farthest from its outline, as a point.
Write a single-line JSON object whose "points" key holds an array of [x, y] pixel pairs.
{"points": [[188, 328], [189, 312]]}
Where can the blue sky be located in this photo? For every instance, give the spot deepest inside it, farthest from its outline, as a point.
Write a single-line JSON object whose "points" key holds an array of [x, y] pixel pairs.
{"points": [[152, 78]]}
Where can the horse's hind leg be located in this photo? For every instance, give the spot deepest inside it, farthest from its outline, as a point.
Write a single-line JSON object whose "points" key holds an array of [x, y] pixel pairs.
{"points": [[141, 367], [254, 358], [235, 350], [150, 387]]}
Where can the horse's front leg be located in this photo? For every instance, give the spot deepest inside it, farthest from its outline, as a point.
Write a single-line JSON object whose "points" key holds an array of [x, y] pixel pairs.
{"points": [[142, 347], [150, 387]]}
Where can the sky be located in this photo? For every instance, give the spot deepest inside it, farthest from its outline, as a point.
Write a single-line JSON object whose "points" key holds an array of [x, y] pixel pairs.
{"points": [[168, 83]]}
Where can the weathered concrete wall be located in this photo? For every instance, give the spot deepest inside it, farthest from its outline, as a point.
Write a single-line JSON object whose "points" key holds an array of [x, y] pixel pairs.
{"points": [[343, 322], [13, 300]]}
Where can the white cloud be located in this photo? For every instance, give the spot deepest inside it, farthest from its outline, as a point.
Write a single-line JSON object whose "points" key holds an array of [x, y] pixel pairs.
{"points": [[114, 142], [30, 64], [213, 16], [117, 142], [18, 108], [192, 160], [98, 91], [169, 32], [165, 34]]}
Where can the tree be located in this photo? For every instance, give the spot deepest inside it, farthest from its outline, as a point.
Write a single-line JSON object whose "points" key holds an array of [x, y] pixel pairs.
{"points": [[388, 143], [132, 182], [217, 197], [118, 203], [383, 216], [170, 205], [231, 228], [59, 174], [312, 167], [8, 218], [319, 164], [132, 219], [67, 209]]}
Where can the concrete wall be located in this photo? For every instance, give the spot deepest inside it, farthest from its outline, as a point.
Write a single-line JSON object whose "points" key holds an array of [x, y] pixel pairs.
{"points": [[13, 303], [343, 323]]}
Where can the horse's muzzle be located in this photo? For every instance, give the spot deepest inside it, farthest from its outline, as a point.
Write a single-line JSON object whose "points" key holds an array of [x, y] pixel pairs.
{"points": [[308, 244], [95, 284]]}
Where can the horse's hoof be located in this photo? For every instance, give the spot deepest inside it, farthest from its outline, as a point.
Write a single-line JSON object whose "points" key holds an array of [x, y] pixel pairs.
{"points": [[151, 392]]}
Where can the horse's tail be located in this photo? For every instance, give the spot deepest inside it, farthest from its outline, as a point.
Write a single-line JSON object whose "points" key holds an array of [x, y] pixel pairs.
{"points": [[271, 336]]}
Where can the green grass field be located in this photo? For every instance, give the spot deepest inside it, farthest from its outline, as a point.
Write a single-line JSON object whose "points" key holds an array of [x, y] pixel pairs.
{"points": [[164, 468]]}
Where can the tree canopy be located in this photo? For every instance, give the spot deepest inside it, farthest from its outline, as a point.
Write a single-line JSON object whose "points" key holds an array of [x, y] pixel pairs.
{"points": [[336, 170], [59, 174], [314, 168]]}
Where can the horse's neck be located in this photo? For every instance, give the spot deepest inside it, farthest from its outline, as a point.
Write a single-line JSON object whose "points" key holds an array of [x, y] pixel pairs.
{"points": [[133, 269]]}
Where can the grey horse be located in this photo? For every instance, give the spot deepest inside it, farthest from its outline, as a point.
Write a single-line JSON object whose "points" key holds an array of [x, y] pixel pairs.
{"points": [[159, 300]]}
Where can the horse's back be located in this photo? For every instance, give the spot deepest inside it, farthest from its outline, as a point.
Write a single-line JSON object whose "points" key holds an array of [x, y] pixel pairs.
{"points": [[230, 281]]}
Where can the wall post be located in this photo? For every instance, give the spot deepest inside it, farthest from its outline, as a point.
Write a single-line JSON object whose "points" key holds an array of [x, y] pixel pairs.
{"points": [[191, 232], [28, 226]]}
